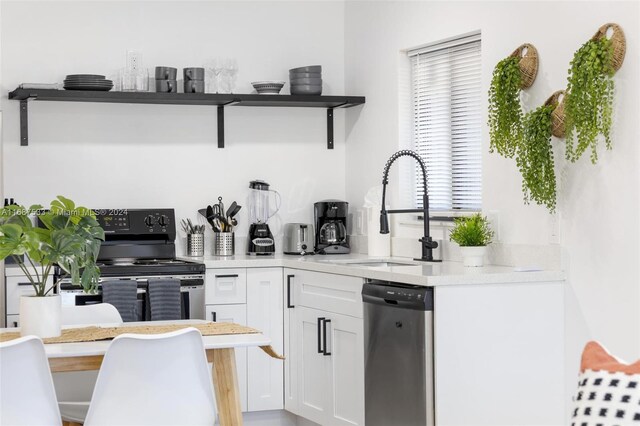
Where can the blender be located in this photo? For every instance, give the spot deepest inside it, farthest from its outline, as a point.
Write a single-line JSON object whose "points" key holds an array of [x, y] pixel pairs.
{"points": [[260, 240]]}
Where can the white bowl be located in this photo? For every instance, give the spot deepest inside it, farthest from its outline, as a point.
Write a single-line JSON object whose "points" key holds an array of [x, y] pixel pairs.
{"points": [[268, 87]]}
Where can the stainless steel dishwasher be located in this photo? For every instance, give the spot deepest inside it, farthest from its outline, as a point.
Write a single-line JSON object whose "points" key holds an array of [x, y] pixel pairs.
{"points": [[398, 351]]}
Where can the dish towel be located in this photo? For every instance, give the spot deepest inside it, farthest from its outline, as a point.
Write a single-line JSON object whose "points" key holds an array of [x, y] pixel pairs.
{"points": [[164, 300], [123, 294]]}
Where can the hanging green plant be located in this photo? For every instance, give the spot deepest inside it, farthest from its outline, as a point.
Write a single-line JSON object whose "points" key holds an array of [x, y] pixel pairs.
{"points": [[589, 102], [514, 73], [534, 155], [505, 112]]}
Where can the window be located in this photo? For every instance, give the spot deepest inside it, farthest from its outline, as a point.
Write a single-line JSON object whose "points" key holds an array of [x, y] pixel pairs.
{"points": [[445, 92]]}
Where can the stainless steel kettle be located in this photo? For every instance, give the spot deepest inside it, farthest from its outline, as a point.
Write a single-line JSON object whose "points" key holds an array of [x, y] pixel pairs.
{"points": [[298, 238]]}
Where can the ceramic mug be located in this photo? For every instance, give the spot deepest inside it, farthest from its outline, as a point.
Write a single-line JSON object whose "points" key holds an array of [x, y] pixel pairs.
{"points": [[193, 86], [193, 73], [166, 73], [166, 86]]}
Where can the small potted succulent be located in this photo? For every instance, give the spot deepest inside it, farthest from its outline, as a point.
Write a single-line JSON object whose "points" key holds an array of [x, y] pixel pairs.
{"points": [[472, 234], [70, 238]]}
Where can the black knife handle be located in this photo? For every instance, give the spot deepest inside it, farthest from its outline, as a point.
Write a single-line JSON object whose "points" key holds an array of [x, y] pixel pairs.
{"points": [[320, 322], [325, 352], [289, 304]]}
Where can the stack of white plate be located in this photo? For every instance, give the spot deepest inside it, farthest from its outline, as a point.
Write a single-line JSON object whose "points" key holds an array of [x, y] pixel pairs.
{"points": [[87, 82], [306, 80]]}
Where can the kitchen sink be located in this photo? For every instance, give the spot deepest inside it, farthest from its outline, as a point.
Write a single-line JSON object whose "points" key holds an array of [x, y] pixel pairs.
{"points": [[370, 263]]}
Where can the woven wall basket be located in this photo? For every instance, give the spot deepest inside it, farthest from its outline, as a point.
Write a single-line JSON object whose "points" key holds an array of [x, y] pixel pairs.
{"points": [[528, 55], [618, 41], [558, 114]]}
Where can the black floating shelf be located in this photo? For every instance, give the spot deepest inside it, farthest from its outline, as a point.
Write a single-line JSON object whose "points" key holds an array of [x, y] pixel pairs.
{"points": [[219, 100]]}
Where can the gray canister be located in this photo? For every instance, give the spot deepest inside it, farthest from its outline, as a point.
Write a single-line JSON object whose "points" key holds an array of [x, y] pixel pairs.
{"points": [[224, 244], [195, 245]]}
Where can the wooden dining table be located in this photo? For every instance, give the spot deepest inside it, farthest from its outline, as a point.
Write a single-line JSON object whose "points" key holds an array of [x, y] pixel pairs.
{"points": [[220, 350]]}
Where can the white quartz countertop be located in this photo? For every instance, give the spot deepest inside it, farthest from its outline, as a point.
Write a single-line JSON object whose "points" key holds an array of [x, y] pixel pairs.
{"points": [[419, 273]]}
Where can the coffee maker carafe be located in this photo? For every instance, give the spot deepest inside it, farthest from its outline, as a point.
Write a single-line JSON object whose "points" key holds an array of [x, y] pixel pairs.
{"points": [[260, 238], [331, 227]]}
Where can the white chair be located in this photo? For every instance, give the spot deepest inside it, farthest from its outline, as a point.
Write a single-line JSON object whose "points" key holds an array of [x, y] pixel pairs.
{"points": [[100, 313], [74, 388], [160, 379], [27, 396]]}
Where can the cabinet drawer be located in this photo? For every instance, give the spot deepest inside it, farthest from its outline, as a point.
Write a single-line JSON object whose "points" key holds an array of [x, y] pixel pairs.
{"points": [[17, 287], [13, 321], [328, 292], [226, 286]]}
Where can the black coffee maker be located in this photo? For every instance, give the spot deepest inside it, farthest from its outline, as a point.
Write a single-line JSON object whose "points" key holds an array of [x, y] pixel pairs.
{"points": [[331, 227]]}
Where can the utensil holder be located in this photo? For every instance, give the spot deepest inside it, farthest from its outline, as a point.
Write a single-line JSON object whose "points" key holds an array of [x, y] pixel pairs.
{"points": [[224, 244], [195, 245]]}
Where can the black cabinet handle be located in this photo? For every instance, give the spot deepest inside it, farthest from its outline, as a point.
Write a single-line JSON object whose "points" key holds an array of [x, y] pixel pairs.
{"points": [[227, 276], [27, 283], [325, 352], [320, 321], [213, 316], [289, 305], [15, 324]]}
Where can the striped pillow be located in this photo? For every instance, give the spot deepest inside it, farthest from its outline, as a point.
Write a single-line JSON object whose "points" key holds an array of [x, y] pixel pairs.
{"points": [[608, 390]]}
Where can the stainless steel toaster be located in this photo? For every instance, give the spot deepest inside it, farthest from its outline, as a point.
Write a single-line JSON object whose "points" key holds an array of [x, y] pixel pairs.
{"points": [[298, 238]]}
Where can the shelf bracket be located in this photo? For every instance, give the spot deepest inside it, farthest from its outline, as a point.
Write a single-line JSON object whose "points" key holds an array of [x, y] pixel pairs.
{"points": [[24, 123], [220, 126], [329, 128]]}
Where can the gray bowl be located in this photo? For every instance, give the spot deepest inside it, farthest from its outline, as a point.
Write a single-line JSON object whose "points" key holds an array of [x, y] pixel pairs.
{"points": [[306, 81], [306, 90], [309, 68], [305, 75]]}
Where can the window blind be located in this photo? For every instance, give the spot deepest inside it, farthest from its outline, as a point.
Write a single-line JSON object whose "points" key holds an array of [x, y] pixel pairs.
{"points": [[446, 85]]}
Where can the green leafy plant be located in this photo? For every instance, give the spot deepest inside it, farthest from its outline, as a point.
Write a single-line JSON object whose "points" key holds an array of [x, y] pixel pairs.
{"points": [[534, 158], [70, 238], [589, 100], [472, 231], [505, 112]]}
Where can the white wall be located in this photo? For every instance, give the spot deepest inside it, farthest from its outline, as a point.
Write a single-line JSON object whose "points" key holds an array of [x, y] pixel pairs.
{"points": [[128, 156], [598, 204]]}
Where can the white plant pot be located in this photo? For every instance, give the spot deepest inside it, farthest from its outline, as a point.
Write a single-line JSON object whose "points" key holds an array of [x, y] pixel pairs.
{"points": [[40, 316], [473, 256]]}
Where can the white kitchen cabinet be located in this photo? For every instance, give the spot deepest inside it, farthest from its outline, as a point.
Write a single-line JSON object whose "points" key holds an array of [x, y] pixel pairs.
{"points": [[313, 382], [290, 349], [330, 370], [324, 377], [499, 350], [238, 315], [225, 286], [329, 292], [265, 312], [17, 286]]}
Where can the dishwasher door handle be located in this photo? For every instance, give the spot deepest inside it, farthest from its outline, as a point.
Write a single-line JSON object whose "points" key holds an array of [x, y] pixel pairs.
{"points": [[325, 352], [320, 322]]}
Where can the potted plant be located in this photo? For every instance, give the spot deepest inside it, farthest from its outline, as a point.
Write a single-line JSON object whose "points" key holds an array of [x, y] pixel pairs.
{"points": [[505, 112], [534, 157], [70, 238], [589, 99], [472, 234]]}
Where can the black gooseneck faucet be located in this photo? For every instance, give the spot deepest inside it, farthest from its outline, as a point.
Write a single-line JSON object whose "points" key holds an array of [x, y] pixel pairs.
{"points": [[426, 242]]}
